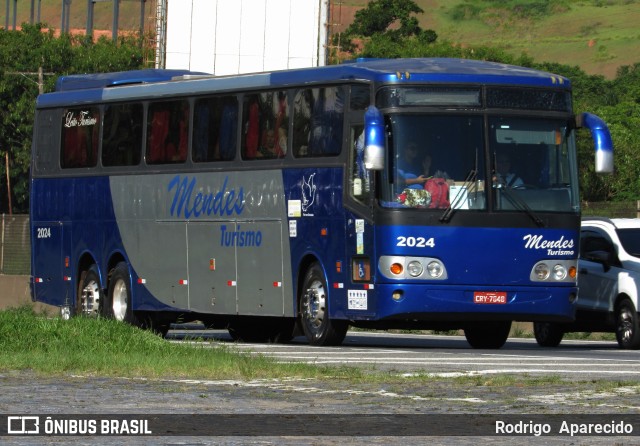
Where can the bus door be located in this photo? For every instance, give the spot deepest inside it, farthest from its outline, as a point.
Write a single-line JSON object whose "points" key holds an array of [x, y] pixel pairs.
{"points": [[360, 251], [260, 268], [50, 283], [212, 269]]}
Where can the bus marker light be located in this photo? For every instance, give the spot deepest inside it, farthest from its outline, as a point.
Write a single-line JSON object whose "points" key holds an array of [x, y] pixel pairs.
{"points": [[66, 262], [338, 266], [324, 232], [183, 282], [368, 286], [212, 264], [231, 283], [67, 278], [38, 280], [277, 284], [141, 280], [338, 285]]}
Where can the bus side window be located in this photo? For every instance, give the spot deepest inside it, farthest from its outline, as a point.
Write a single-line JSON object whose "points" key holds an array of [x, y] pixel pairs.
{"points": [[251, 126], [167, 134], [302, 122], [215, 129], [122, 135], [80, 130], [265, 123], [318, 118]]}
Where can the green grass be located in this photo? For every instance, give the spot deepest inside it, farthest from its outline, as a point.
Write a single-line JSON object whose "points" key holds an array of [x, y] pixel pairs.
{"points": [[100, 347], [30, 341]]}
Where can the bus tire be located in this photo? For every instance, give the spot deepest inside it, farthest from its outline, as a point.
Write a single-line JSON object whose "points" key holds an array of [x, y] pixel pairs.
{"points": [[148, 320], [548, 334], [118, 302], [489, 335], [90, 300], [316, 324]]}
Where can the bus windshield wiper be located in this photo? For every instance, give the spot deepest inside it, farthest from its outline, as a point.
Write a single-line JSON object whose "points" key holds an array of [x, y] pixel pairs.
{"points": [[468, 181], [448, 212], [521, 205]]}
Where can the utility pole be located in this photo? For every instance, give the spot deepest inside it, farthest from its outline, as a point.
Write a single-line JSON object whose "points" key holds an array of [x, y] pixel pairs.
{"points": [[6, 158]]}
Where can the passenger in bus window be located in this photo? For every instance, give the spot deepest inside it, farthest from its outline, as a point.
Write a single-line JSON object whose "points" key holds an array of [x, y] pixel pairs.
{"points": [[504, 177], [251, 128]]}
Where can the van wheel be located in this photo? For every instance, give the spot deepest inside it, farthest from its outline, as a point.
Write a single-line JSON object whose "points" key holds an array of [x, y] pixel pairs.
{"points": [[314, 311], [490, 335], [548, 334], [627, 329], [118, 303]]}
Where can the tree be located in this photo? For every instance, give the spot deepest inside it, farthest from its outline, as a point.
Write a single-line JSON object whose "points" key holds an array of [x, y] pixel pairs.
{"points": [[387, 22], [22, 55]]}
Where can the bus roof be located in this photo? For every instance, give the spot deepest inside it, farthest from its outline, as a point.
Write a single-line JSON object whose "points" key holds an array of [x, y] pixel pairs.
{"points": [[103, 80], [149, 84]]}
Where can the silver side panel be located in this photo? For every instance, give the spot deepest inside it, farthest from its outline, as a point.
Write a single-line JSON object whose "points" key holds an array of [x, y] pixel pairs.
{"points": [[208, 242]]}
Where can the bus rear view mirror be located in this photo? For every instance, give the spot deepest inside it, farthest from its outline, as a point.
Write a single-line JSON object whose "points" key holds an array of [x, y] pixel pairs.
{"points": [[602, 142], [374, 140]]}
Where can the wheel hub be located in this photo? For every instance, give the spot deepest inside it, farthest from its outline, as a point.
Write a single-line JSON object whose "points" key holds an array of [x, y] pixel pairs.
{"points": [[90, 299]]}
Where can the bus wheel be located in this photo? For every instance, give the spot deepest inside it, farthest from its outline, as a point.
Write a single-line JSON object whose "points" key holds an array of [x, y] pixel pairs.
{"points": [[548, 334], [147, 320], [489, 335], [627, 326], [119, 295], [314, 312], [90, 295]]}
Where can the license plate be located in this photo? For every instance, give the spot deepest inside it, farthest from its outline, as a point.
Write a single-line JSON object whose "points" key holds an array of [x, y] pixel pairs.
{"points": [[490, 297]]}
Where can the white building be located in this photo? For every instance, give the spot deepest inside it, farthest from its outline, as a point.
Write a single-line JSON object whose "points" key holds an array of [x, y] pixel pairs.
{"points": [[243, 36]]}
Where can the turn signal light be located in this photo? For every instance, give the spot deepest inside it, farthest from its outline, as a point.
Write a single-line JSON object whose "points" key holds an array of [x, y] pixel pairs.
{"points": [[396, 268]]}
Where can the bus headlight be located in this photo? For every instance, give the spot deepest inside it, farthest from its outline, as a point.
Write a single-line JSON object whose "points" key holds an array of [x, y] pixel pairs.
{"points": [[561, 271], [541, 271], [414, 268], [435, 269]]}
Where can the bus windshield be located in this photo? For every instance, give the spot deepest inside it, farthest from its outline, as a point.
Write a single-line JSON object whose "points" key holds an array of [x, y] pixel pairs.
{"points": [[439, 162]]}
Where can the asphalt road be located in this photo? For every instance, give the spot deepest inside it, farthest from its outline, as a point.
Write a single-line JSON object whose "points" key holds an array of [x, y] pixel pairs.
{"points": [[447, 356], [595, 380]]}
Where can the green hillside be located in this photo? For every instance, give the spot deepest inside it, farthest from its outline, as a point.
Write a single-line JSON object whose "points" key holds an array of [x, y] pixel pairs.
{"points": [[597, 35]]}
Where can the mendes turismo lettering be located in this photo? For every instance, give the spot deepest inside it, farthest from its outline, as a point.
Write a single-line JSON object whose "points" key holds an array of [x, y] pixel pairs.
{"points": [[559, 247], [191, 204]]}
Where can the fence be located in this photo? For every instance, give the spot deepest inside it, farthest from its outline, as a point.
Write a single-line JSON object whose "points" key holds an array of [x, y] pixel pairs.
{"points": [[15, 248], [15, 251], [611, 209]]}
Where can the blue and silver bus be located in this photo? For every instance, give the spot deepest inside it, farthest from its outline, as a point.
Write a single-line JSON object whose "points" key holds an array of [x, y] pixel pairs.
{"points": [[371, 194]]}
